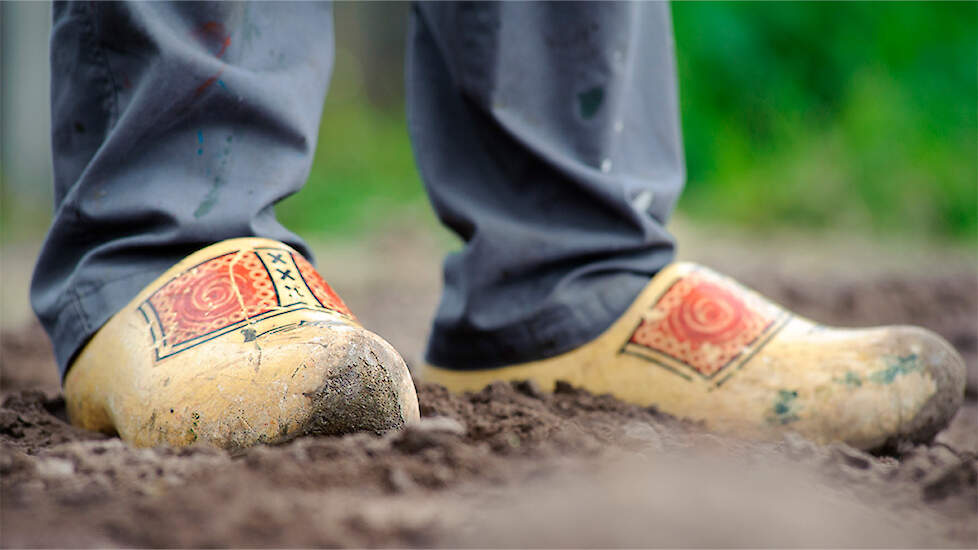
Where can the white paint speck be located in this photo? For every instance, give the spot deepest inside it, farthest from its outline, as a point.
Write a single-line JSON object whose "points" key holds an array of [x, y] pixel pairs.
{"points": [[606, 165], [643, 200], [619, 126]]}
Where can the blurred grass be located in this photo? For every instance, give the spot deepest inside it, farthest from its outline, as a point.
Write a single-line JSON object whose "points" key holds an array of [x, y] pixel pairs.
{"points": [[854, 116], [859, 115]]}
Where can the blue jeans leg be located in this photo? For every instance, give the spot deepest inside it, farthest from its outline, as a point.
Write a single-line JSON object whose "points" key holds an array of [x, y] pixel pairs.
{"points": [[174, 126], [547, 135]]}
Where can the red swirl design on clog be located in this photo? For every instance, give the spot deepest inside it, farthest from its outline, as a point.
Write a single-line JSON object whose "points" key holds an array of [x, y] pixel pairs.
{"points": [[217, 293], [702, 323], [248, 288], [707, 313], [207, 298]]}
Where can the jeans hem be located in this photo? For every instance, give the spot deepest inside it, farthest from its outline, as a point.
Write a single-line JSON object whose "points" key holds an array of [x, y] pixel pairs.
{"points": [[84, 314], [561, 328]]}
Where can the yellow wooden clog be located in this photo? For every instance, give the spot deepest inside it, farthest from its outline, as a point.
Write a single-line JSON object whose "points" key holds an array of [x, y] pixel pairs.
{"points": [[240, 343], [698, 345]]}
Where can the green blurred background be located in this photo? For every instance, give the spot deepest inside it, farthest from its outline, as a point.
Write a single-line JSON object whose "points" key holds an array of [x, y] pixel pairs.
{"points": [[859, 116], [854, 116]]}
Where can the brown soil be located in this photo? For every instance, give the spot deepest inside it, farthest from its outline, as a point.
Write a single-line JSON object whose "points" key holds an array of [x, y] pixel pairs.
{"points": [[509, 465]]}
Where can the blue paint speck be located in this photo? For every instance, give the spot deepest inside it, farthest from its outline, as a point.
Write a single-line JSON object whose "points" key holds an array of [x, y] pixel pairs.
{"points": [[899, 366], [221, 84], [200, 151], [200, 136], [590, 101], [785, 409]]}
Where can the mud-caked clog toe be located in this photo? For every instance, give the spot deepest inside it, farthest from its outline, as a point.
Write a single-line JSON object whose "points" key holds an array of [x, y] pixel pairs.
{"points": [[240, 343], [698, 345]]}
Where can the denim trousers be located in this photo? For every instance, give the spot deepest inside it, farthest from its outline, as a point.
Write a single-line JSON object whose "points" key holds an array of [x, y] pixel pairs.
{"points": [[546, 134]]}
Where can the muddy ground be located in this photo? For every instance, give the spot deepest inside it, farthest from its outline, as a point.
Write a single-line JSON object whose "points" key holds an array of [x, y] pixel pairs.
{"points": [[512, 465]]}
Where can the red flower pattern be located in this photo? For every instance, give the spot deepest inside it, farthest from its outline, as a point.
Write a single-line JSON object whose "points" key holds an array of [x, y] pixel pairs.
{"points": [[228, 289], [217, 293], [702, 323]]}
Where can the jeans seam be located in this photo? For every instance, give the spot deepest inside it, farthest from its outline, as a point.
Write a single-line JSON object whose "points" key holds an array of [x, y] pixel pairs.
{"points": [[102, 60], [80, 312]]}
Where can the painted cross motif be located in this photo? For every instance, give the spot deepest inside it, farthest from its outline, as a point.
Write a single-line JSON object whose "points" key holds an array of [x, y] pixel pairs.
{"points": [[705, 326], [231, 291]]}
